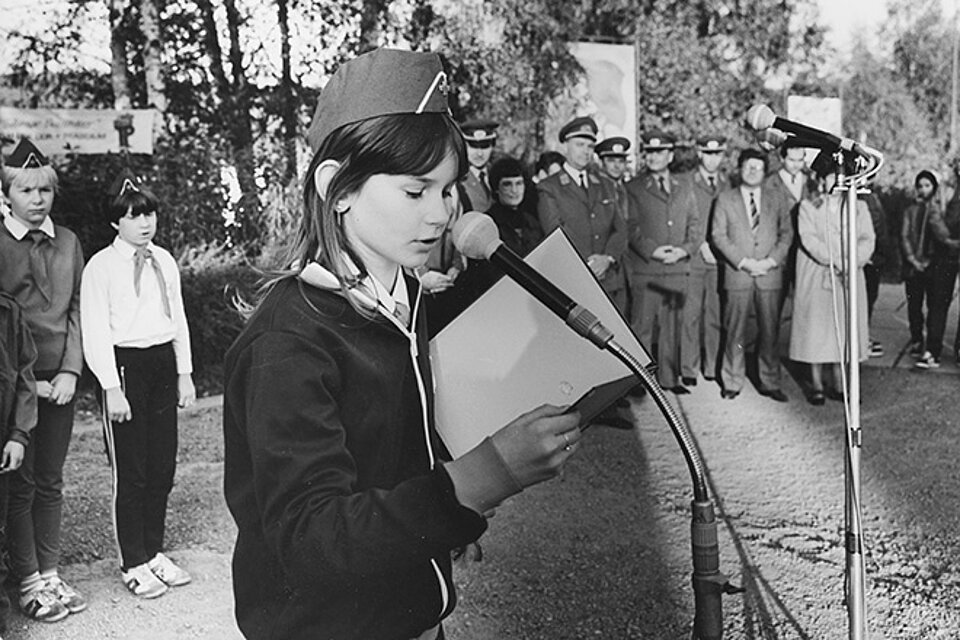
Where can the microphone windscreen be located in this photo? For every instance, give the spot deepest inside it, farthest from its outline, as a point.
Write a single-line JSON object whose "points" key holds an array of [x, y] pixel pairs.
{"points": [[476, 235], [760, 117]]}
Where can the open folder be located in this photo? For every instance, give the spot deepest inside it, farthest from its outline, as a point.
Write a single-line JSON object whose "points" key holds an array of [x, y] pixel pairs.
{"points": [[507, 353]]}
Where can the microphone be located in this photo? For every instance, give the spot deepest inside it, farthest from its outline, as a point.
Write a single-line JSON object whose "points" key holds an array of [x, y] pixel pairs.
{"points": [[476, 236], [760, 117], [770, 139]]}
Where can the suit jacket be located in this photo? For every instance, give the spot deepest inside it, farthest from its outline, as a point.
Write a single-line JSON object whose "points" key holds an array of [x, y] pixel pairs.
{"points": [[478, 196], [775, 182], [735, 241], [705, 196], [593, 219], [657, 219]]}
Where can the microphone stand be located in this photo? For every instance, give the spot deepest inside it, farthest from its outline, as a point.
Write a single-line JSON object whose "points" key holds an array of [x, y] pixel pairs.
{"points": [[855, 582], [709, 584]]}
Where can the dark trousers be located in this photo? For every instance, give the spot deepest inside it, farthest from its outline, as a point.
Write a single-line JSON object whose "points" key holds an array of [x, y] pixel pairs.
{"points": [[4, 569], [701, 325], [736, 311], [143, 451], [658, 308], [871, 274], [916, 290], [35, 509], [940, 283]]}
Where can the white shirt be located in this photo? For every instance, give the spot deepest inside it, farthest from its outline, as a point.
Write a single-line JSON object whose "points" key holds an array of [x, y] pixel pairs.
{"points": [[576, 173], [112, 315], [794, 183]]}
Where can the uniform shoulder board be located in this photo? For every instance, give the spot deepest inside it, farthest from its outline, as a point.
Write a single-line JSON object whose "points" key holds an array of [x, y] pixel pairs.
{"points": [[565, 178]]}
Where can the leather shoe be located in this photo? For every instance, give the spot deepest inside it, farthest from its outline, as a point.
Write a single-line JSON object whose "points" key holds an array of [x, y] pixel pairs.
{"points": [[816, 397], [688, 381], [833, 394], [679, 390], [774, 394], [729, 394]]}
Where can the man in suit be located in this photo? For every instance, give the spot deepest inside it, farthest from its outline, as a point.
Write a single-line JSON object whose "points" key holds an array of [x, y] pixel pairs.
{"points": [[752, 232], [586, 206], [663, 231], [480, 136], [790, 182], [701, 311]]}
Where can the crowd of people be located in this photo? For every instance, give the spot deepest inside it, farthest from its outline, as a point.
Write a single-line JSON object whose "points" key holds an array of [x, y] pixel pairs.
{"points": [[691, 258], [134, 338], [347, 505]]}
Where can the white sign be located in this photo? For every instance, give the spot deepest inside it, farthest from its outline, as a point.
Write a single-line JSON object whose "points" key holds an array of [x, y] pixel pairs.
{"points": [[60, 131], [607, 93]]}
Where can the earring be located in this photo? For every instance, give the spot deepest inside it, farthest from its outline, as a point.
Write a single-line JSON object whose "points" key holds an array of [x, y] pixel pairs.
{"points": [[341, 207]]}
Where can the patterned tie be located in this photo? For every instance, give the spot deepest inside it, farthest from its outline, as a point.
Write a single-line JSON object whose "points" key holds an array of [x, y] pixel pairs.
{"points": [[38, 266], [140, 257], [754, 214], [402, 313]]}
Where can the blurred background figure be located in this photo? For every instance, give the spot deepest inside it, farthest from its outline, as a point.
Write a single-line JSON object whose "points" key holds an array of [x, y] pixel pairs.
{"points": [[916, 250], [547, 164]]}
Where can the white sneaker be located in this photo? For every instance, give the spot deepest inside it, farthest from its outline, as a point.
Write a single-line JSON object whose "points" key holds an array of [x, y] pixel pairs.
{"points": [[142, 583], [927, 361], [164, 568]]}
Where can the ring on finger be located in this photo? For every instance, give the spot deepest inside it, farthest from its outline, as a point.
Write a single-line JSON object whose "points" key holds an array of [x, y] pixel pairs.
{"points": [[566, 442]]}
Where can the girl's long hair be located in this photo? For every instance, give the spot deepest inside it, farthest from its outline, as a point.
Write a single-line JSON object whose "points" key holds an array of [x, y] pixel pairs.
{"points": [[400, 144]]}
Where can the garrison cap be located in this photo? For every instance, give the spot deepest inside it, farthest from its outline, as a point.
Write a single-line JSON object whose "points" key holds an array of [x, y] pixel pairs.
{"points": [[480, 133], [26, 156], [712, 143], [616, 146], [657, 140], [379, 83], [582, 127], [124, 182]]}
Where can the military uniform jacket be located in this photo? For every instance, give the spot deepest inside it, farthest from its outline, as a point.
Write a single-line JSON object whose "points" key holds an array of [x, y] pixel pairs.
{"points": [[478, 196], [592, 219], [704, 195], [733, 238], [658, 219], [345, 517]]}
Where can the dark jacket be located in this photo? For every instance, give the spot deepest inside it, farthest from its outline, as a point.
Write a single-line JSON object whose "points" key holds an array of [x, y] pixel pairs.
{"points": [[345, 517], [915, 235], [658, 219], [18, 389]]}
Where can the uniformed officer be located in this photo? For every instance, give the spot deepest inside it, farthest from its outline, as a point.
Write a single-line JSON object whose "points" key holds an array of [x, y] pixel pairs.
{"points": [[481, 136], [586, 206], [613, 157], [700, 341], [663, 231]]}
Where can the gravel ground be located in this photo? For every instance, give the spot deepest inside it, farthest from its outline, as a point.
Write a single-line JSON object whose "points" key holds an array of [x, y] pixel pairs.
{"points": [[603, 550]]}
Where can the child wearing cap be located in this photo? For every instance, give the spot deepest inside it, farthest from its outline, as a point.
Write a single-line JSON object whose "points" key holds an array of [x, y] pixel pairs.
{"points": [[18, 414], [40, 266], [346, 508], [137, 344]]}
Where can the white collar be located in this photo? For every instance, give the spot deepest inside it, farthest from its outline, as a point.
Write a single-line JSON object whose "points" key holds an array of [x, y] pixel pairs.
{"points": [[575, 173], [18, 230], [369, 292], [126, 249]]}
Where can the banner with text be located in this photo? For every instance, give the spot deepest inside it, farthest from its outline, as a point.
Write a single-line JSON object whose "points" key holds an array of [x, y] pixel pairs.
{"points": [[60, 131]]}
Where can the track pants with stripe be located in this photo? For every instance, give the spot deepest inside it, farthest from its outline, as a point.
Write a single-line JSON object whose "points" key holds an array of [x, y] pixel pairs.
{"points": [[143, 451]]}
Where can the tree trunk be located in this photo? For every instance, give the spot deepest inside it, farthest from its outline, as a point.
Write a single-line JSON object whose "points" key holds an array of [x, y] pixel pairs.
{"points": [[240, 131], [214, 52], [152, 62], [119, 78], [288, 109]]}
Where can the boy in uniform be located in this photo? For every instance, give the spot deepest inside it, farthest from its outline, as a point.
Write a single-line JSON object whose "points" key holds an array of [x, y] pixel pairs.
{"points": [[40, 266], [137, 344]]}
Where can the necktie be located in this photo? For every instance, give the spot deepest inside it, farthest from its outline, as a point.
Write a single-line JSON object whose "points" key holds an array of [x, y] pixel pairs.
{"points": [[583, 180], [38, 266], [754, 214], [140, 257], [713, 183], [663, 187], [483, 181], [402, 313]]}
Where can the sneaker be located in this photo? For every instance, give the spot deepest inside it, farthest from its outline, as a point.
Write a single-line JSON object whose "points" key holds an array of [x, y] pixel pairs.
{"points": [[67, 595], [927, 361], [876, 349], [43, 604], [142, 583], [164, 568], [915, 349]]}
